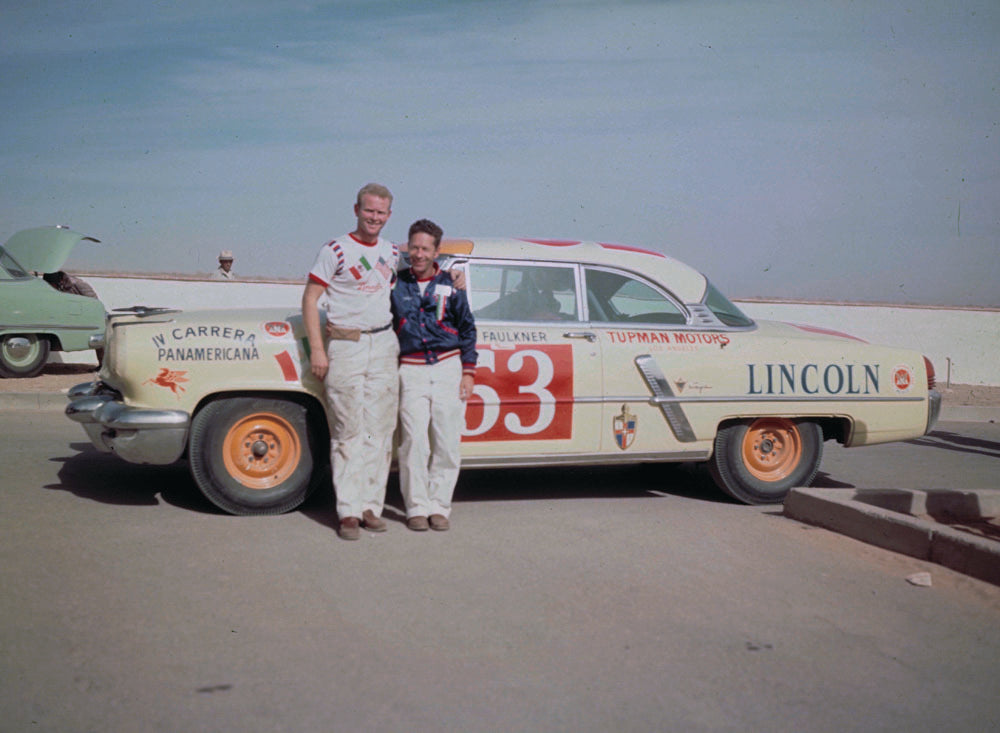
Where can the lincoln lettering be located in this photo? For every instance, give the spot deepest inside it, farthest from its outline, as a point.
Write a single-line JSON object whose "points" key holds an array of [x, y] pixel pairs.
{"points": [[781, 379]]}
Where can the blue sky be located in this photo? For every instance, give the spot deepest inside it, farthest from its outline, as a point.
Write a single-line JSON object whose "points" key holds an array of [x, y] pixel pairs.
{"points": [[830, 149]]}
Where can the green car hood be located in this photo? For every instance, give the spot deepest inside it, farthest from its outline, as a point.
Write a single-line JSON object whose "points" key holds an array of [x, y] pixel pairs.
{"points": [[44, 249]]}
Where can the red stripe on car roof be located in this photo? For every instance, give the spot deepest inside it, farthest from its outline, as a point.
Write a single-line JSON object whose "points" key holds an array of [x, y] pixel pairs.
{"points": [[627, 248], [553, 242], [826, 331]]}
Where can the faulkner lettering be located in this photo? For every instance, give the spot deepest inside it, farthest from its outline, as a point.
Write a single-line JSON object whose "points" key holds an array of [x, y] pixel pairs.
{"points": [[790, 379], [514, 337]]}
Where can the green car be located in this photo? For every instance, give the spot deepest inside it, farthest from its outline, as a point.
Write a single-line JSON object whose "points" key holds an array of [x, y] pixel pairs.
{"points": [[36, 317]]}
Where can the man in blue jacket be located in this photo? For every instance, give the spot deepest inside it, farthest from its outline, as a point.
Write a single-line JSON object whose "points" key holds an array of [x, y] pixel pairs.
{"points": [[437, 366]]}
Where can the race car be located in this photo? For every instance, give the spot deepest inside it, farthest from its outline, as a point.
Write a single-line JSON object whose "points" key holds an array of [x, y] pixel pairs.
{"points": [[589, 353]]}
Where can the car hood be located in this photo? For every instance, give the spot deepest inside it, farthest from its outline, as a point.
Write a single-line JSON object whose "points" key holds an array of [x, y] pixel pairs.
{"points": [[43, 249]]}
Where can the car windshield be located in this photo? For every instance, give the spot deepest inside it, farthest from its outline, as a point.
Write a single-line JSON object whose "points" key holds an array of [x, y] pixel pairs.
{"points": [[724, 309], [9, 266]]}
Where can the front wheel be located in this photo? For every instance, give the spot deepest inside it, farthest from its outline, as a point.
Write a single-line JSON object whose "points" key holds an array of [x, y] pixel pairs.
{"points": [[23, 354], [759, 461], [252, 456]]}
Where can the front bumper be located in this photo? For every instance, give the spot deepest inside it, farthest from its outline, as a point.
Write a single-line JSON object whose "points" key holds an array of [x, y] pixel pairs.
{"points": [[134, 434]]}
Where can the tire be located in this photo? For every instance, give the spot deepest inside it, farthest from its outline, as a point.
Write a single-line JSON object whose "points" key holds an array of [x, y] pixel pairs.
{"points": [[759, 461], [253, 456], [23, 354]]}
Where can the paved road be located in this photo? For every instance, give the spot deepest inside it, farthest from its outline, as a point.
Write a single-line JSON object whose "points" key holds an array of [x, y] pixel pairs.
{"points": [[594, 600]]}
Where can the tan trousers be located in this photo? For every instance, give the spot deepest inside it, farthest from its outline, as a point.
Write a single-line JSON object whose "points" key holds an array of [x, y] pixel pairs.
{"points": [[362, 392], [431, 418]]}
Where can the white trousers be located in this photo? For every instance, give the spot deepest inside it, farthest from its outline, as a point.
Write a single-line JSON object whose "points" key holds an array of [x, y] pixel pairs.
{"points": [[431, 418], [362, 392]]}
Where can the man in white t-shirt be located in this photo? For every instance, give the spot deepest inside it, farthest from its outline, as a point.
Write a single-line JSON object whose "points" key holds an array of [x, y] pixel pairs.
{"points": [[359, 366]]}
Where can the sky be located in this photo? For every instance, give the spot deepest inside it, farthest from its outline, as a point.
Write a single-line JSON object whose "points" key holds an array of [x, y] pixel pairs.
{"points": [[823, 150]]}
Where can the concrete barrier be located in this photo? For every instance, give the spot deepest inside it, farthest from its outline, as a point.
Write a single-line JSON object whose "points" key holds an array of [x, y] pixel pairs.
{"points": [[963, 343]]}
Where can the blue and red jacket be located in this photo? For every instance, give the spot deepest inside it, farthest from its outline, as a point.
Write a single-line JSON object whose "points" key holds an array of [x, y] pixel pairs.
{"points": [[436, 325]]}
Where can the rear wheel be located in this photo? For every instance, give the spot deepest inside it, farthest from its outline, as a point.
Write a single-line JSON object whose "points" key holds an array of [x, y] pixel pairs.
{"points": [[23, 354], [757, 462], [252, 456]]}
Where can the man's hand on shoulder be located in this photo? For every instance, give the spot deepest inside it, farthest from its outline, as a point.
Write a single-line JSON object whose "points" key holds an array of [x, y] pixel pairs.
{"points": [[457, 278]]}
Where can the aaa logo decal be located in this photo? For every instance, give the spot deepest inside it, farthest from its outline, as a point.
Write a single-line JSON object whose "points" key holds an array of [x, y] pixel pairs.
{"points": [[277, 329], [902, 378]]}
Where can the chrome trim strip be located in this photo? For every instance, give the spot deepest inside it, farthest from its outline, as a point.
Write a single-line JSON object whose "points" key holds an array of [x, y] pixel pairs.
{"points": [[741, 398], [664, 397], [582, 459], [33, 327]]}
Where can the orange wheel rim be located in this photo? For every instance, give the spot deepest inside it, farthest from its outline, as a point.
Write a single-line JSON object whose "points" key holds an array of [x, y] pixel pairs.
{"points": [[772, 449], [261, 451]]}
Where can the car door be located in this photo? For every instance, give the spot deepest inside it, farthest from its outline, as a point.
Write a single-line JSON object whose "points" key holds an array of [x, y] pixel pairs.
{"points": [[650, 366], [539, 378]]}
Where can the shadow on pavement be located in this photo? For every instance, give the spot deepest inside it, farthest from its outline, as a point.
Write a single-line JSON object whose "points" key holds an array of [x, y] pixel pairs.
{"points": [[959, 443], [107, 479], [823, 481]]}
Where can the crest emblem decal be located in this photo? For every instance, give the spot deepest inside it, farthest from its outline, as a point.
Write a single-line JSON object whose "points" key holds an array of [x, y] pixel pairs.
{"points": [[625, 426]]}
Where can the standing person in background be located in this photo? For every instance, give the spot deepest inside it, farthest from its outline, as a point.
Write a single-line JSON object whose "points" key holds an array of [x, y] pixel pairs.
{"points": [[437, 366], [359, 366], [225, 271]]}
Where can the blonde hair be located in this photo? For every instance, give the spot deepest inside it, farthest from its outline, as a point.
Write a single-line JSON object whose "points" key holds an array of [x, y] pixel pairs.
{"points": [[375, 189]]}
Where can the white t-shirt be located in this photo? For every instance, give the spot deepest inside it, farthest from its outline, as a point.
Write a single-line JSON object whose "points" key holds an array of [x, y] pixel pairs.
{"points": [[357, 278]]}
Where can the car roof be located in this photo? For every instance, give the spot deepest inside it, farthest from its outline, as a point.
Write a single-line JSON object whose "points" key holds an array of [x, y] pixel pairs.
{"points": [[686, 283], [44, 249]]}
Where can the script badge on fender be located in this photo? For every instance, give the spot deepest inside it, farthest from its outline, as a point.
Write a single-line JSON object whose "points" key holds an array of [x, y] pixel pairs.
{"points": [[624, 425]]}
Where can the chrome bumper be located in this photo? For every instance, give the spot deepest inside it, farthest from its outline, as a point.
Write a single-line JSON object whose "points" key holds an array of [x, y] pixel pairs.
{"points": [[134, 434], [933, 409]]}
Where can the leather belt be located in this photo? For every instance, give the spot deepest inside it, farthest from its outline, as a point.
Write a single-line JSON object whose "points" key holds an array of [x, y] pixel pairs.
{"points": [[386, 327]]}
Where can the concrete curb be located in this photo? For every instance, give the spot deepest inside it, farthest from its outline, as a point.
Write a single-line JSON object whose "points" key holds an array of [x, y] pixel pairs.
{"points": [[876, 516]]}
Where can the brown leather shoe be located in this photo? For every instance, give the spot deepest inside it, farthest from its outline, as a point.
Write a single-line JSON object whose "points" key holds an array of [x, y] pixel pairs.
{"points": [[372, 523], [348, 529], [417, 524], [439, 522]]}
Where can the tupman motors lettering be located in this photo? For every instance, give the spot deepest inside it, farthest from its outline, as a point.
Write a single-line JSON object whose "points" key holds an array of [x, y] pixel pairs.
{"points": [[178, 344], [676, 337], [791, 379]]}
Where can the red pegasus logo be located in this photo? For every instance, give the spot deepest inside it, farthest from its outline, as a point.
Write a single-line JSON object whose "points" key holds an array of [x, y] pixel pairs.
{"points": [[170, 379]]}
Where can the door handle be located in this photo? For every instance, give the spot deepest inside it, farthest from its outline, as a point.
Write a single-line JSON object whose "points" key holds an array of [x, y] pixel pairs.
{"points": [[590, 336]]}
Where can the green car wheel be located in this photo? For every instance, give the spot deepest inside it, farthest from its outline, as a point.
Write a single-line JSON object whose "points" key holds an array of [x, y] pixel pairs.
{"points": [[23, 355]]}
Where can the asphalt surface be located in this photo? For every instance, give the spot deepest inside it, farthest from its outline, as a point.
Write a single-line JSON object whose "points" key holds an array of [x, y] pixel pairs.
{"points": [[899, 525], [561, 600]]}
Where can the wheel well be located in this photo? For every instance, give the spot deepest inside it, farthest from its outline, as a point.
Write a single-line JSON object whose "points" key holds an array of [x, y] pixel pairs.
{"points": [[834, 428], [54, 343], [319, 427]]}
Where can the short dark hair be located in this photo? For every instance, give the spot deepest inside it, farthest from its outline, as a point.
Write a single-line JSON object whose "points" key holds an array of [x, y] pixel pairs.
{"points": [[426, 226]]}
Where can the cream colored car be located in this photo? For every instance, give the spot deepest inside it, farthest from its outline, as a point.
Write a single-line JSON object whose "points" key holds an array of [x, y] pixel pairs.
{"points": [[588, 354]]}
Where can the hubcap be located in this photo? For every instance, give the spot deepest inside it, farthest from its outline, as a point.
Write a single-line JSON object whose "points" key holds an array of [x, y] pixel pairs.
{"points": [[17, 347]]}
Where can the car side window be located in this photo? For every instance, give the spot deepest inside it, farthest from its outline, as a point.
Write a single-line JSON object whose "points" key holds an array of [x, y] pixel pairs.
{"points": [[9, 269], [615, 297], [523, 292]]}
